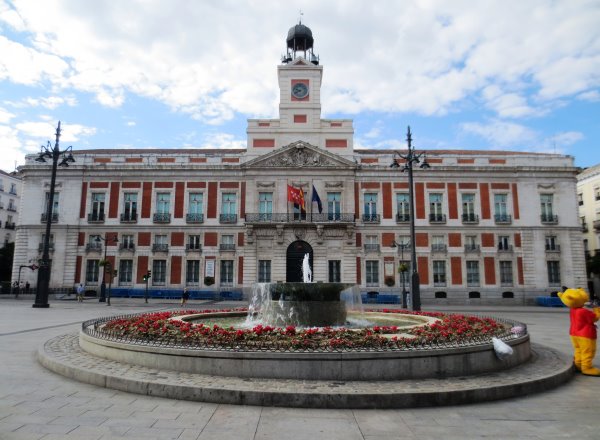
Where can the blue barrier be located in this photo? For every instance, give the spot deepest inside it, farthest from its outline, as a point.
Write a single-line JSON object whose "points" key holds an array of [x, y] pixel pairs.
{"points": [[549, 301], [236, 296]]}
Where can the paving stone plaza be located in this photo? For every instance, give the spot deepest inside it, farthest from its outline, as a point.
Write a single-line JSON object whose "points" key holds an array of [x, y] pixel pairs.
{"points": [[38, 404]]}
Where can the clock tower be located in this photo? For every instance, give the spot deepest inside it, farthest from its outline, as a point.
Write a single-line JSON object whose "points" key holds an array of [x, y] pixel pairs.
{"points": [[300, 77]]}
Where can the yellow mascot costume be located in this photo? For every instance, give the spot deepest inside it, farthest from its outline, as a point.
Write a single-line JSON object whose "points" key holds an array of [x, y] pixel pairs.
{"points": [[583, 329]]}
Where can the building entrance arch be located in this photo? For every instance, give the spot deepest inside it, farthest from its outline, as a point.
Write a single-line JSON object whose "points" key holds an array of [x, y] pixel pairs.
{"points": [[294, 258]]}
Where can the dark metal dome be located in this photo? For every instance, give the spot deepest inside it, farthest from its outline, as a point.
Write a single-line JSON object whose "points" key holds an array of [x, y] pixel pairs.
{"points": [[300, 38]]}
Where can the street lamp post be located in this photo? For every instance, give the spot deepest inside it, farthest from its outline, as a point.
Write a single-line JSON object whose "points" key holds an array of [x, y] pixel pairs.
{"points": [[106, 240], [54, 153], [410, 158], [402, 269]]}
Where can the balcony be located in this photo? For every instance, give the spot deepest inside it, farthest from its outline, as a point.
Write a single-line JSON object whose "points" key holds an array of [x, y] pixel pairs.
{"points": [[227, 247], [160, 247], [11, 208], [472, 248], [549, 219], [437, 218], [194, 218], [470, 218], [93, 247], [41, 247], [503, 219], [279, 218], [505, 248], [1, 205], [439, 247], [371, 218], [8, 225], [96, 217], [13, 192], [127, 247], [44, 217], [402, 218], [552, 248], [596, 225], [161, 217], [193, 247], [584, 227], [372, 247], [228, 218], [129, 217]]}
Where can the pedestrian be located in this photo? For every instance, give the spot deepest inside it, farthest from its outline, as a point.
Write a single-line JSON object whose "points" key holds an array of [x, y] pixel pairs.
{"points": [[185, 296], [27, 287], [80, 291]]}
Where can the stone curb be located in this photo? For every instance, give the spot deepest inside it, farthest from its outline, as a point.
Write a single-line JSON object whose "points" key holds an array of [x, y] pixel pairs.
{"points": [[547, 369]]}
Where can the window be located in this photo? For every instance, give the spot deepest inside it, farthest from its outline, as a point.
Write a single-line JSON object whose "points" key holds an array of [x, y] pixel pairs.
{"points": [[54, 203], [553, 273], [227, 243], [546, 201], [471, 243], [194, 242], [551, 243], [160, 243], [503, 243], [13, 188], [192, 272], [439, 273], [265, 205], [334, 205], [597, 192], [11, 205], [129, 206], [371, 243], [97, 213], [500, 208], [163, 203], [50, 243], [506, 274], [438, 243], [580, 198], [468, 207], [403, 207], [435, 207], [91, 271], [159, 272], [264, 271], [226, 272], [160, 239], [229, 204], [125, 272], [472, 273], [127, 242], [370, 207], [372, 270], [195, 203], [335, 275]]}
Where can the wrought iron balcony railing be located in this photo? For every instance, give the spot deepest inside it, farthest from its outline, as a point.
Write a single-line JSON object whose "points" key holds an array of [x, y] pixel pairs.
{"points": [[50, 247], [227, 218], [44, 217], [505, 248], [439, 247], [194, 218], [193, 247], [553, 248], [8, 225], [584, 227], [472, 248], [402, 218], [549, 219], [129, 217], [127, 247], [227, 247], [96, 217], [11, 208], [93, 247], [372, 247], [160, 247], [272, 218], [503, 218], [371, 218], [596, 225], [161, 217], [470, 218], [437, 218]]}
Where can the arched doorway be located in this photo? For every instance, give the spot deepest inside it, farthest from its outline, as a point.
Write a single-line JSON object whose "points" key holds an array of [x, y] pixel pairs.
{"points": [[294, 257]]}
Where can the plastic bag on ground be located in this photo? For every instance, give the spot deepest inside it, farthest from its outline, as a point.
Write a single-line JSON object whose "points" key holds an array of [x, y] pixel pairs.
{"points": [[502, 349]]}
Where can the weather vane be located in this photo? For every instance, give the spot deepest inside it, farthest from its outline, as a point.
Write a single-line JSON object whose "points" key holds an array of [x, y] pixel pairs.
{"points": [[300, 19]]}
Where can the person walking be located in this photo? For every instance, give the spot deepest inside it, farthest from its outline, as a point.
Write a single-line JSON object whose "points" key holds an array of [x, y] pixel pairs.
{"points": [[185, 295], [80, 291]]}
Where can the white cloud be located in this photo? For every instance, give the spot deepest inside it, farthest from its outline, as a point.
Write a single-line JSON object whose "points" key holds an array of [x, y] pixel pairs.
{"points": [[130, 123], [45, 131], [222, 141], [500, 134], [51, 102], [5, 116], [11, 148]]}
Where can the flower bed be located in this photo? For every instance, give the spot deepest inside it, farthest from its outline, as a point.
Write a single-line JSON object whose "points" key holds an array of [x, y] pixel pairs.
{"points": [[449, 329]]}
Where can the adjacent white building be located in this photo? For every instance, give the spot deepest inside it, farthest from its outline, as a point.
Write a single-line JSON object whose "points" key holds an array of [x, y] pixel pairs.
{"points": [[10, 189], [491, 226]]}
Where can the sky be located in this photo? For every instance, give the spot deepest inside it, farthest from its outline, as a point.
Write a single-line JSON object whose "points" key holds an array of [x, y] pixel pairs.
{"points": [[470, 75]]}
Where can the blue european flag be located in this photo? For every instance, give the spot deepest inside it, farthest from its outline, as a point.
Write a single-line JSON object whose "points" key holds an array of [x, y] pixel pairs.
{"points": [[316, 198]]}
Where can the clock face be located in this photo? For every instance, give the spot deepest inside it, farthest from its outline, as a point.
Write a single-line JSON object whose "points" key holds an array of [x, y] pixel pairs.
{"points": [[300, 90]]}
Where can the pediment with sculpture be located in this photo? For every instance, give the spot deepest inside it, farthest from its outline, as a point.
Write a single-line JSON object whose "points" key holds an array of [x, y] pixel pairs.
{"points": [[298, 155]]}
